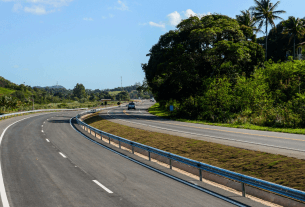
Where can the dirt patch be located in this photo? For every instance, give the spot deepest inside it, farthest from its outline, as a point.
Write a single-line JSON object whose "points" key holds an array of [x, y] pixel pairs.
{"points": [[278, 169]]}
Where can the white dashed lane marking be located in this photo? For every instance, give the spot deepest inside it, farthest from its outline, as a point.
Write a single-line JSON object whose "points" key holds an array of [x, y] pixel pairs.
{"points": [[48, 140], [64, 156], [102, 186]]}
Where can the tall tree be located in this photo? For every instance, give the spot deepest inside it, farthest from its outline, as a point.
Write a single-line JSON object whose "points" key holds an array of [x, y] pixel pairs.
{"points": [[79, 91], [199, 49], [265, 14], [295, 27], [247, 19]]}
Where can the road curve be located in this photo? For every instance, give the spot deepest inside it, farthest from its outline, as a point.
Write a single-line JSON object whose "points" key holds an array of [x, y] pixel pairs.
{"points": [[46, 162], [292, 145]]}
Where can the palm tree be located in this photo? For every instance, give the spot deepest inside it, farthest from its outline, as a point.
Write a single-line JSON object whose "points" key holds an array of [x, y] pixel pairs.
{"points": [[295, 28], [264, 14], [246, 18]]}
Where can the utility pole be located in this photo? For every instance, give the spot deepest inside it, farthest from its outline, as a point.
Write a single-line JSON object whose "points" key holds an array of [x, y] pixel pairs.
{"points": [[121, 84]]}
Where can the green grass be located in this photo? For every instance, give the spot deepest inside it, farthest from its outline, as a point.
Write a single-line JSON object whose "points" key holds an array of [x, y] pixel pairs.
{"points": [[279, 169], [114, 92], [5, 91], [161, 112]]}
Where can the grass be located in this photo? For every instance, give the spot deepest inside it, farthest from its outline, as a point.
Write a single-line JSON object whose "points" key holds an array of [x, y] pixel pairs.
{"points": [[273, 168], [6, 91], [114, 92], [161, 112]]}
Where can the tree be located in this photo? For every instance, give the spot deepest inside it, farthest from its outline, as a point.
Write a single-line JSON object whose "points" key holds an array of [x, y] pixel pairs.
{"points": [[247, 20], [295, 27], [264, 14], [122, 96], [79, 91], [200, 48]]}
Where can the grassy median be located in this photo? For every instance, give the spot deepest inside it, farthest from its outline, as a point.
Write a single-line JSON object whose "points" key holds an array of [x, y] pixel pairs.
{"points": [[274, 168], [161, 112]]}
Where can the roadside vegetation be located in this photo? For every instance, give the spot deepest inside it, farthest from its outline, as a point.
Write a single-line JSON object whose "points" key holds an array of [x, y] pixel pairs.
{"points": [[212, 69], [14, 97], [279, 169]]}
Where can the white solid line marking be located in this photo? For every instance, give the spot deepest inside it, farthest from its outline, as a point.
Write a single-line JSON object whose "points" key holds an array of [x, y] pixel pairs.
{"points": [[48, 140], [62, 155], [99, 184], [4, 199]]}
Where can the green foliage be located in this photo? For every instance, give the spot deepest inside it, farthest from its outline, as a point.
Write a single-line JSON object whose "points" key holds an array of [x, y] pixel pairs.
{"points": [[79, 91], [213, 46], [122, 96], [6, 91]]}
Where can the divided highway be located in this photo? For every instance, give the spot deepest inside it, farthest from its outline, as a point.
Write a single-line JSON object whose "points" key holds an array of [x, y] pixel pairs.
{"points": [[272, 142], [46, 162]]}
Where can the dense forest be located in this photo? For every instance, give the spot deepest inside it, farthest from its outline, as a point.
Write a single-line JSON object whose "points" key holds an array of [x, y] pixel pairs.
{"points": [[213, 68]]}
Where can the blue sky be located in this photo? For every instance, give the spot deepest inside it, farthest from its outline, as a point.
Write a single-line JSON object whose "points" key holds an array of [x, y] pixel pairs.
{"points": [[95, 42]]}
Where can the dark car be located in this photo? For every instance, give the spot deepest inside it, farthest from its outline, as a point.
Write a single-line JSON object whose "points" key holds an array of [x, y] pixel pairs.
{"points": [[131, 106]]}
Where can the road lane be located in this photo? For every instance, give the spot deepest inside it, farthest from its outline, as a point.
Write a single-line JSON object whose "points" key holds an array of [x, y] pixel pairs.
{"points": [[36, 174], [273, 142]]}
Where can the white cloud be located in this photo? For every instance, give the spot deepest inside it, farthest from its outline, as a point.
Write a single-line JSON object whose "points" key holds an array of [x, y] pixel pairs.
{"points": [[17, 7], [103, 17], [162, 25], [39, 10], [142, 24], [88, 19], [38, 6], [15, 66], [188, 13], [111, 15], [122, 7], [174, 18]]}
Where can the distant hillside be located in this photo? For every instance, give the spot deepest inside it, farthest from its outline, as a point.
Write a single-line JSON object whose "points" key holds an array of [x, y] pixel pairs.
{"points": [[6, 91], [7, 84], [50, 87]]}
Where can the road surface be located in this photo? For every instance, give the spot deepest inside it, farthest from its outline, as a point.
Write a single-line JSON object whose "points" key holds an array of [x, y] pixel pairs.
{"points": [[46, 162]]}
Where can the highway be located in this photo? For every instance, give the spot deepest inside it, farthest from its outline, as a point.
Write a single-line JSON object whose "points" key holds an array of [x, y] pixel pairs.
{"points": [[45, 161], [292, 145]]}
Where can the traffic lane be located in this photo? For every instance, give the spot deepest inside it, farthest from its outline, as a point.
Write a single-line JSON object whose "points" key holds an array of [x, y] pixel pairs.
{"points": [[272, 139], [6, 122], [128, 180], [35, 174]]}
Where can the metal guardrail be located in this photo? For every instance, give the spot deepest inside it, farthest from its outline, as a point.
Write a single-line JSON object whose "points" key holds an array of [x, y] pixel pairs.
{"points": [[35, 111], [243, 179]]}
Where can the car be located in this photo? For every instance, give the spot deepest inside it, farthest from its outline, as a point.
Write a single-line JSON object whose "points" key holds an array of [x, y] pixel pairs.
{"points": [[152, 100], [131, 106]]}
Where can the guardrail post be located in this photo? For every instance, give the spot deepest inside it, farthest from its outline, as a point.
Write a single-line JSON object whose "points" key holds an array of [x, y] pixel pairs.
{"points": [[132, 149], [149, 156], [170, 164], [109, 140], [119, 144], [95, 133], [243, 189], [200, 174]]}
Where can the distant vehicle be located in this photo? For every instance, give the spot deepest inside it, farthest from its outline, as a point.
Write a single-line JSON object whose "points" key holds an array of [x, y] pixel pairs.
{"points": [[131, 106], [152, 100]]}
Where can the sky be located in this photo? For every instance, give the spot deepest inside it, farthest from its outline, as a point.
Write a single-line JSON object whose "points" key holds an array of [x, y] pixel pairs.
{"points": [[96, 42]]}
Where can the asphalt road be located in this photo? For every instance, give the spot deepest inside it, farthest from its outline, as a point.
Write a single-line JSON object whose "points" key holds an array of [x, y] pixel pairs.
{"points": [[46, 162], [272, 142]]}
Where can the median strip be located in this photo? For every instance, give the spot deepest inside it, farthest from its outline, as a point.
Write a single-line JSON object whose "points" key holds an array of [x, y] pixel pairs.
{"points": [[274, 168]]}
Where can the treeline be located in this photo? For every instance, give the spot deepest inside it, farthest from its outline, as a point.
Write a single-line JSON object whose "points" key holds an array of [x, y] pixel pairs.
{"points": [[23, 96], [213, 68]]}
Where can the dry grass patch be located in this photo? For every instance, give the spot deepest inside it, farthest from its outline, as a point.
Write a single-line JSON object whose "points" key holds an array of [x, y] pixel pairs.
{"points": [[274, 168]]}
